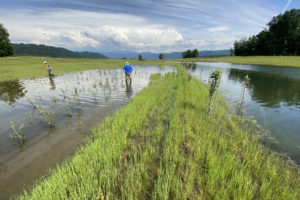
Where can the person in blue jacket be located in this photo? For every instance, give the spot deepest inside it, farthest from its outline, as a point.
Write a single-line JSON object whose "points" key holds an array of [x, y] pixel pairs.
{"points": [[127, 70]]}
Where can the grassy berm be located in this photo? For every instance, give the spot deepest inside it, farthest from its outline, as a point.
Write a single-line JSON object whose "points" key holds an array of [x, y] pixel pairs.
{"points": [[163, 145]]}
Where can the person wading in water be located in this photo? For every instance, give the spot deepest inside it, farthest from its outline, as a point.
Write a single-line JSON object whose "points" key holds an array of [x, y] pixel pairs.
{"points": [[127, 70], [48, 68]]}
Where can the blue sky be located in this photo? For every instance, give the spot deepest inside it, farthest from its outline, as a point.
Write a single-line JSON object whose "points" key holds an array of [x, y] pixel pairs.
{"points": [[138, 25]]}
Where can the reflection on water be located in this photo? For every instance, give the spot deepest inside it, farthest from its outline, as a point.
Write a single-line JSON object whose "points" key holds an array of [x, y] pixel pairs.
{"points": [[52, 83], [129, 91], [10, 91], [270, 89], [273, 98], [190, 66], [77, 101]]}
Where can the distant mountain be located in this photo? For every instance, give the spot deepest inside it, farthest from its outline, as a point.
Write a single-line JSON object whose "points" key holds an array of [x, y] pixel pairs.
{"points": [[149, 55], [121, 54], [145, 55], [50, 51]]}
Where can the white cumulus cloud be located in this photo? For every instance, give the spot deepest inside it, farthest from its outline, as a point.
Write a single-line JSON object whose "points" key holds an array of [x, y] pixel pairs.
{"points": [[81, 29]]}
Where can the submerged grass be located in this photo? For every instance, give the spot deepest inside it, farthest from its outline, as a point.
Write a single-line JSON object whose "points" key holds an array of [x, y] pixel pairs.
{"points": [[163, 145]]}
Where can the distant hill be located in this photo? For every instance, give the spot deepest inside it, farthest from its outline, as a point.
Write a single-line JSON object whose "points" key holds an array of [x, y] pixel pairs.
{"points": [[50, 51], [58, 52], [149, 55]]}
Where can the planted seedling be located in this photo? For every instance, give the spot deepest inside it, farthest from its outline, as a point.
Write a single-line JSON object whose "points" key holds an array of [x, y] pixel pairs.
{"points": [[214, 83], [47, 116], [17, 133], [246, 84], [68, 109]]}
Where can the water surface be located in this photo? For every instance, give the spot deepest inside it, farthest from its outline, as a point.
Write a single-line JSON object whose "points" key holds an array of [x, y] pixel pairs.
{"points": [[79, 100], [273, 98]]}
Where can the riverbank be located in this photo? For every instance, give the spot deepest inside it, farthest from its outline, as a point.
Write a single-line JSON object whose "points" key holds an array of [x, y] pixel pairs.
{"points": [[171, 149], [282, 61]]}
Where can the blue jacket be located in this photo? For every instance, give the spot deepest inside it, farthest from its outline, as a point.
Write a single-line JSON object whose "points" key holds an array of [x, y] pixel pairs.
{"points": [[127, 69]]}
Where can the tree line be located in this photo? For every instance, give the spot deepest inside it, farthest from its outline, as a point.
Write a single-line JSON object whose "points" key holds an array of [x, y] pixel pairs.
{"points": [[5, 45], [190, 53], [282, 37]]}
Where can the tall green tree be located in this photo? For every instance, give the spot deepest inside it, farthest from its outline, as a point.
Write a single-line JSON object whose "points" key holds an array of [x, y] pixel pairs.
{"points": [[190, 54], [140, 57], [195, 53], [281, 38], [5, 46], [161, 56]]}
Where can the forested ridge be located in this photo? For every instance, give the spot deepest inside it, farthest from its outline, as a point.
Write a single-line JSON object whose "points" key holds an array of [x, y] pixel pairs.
{"points": [[50, 51]]}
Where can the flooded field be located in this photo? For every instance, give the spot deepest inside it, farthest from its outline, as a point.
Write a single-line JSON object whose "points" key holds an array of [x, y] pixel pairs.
{"points": [[55, 115]]}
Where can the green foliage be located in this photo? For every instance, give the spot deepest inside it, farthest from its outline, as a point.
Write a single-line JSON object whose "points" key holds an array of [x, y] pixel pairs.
{"points": [[170, 149], [246, 81], [161, 56], [140, 58], [17, 133], [190, 54], [214, 83], [246, 84], [50, 51], [281, 38], [68, 108], [47, 116], [5, 46]]}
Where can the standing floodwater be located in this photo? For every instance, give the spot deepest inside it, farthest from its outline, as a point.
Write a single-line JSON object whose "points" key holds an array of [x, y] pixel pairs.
{"points": [[57, 113], [273, 98]]}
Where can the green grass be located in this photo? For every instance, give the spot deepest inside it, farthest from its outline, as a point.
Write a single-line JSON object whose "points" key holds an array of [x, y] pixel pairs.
{"points": [[162, 145], [283, 61], [12, 68]]}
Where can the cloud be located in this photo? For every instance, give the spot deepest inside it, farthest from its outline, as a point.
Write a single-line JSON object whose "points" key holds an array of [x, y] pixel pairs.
{"points": [[80, 29], [135, 25], [138, 37], [218, 29]]}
